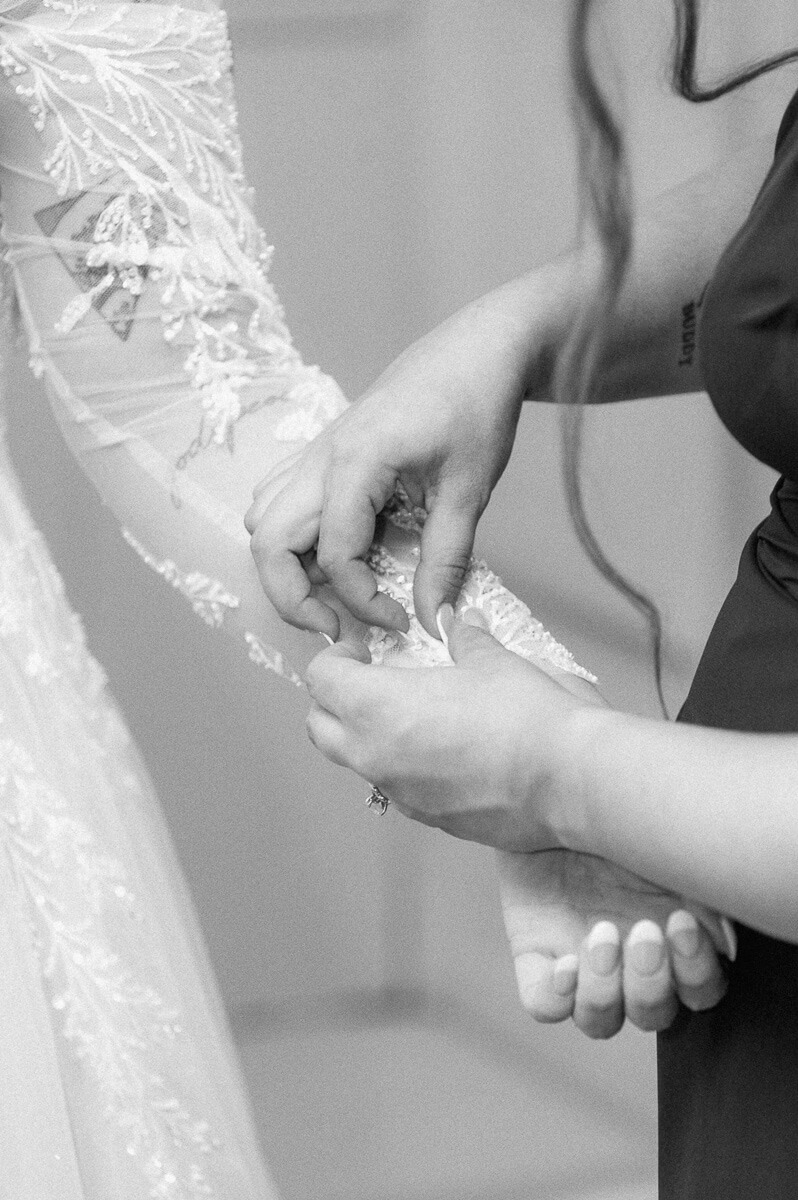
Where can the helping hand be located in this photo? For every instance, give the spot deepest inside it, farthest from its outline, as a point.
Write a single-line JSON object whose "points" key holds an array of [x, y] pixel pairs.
{"points": [[440, 421], [472, 749], [465, 749]]}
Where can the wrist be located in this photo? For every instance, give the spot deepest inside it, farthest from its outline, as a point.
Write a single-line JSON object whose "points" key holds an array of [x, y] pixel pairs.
{"points": [[552, 298], [577, 818]]}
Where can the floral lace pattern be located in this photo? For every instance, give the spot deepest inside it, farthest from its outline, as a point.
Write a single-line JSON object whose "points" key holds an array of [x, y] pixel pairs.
{"points": [[506, 617], [55, 857], [159, 136], [155, 137], [133, 105], [207, 597], [76, 893]]}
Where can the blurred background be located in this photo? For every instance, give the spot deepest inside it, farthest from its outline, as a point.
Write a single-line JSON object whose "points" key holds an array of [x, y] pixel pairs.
{"points": [[407, 155]]}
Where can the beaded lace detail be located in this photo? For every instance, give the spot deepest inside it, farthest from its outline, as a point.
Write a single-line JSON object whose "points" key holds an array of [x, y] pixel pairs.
{"points": [[133, 104], [158, 134], [179, 215], [107, 1015], [156, 137], [271, 660], [207, 597], [505, 616], [76, 893]]}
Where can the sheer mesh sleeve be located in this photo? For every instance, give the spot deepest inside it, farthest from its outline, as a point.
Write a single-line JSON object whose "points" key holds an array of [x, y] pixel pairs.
{"points": [[142, 281]]}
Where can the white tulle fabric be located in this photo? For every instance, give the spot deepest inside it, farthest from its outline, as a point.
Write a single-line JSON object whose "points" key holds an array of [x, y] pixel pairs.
{"points": [[141, 281]]}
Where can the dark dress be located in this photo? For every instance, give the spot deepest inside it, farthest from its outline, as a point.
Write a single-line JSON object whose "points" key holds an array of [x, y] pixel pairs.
{"points": [[728, 1079]]}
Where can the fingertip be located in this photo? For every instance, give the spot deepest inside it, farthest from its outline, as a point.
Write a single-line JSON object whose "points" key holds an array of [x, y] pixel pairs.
{"points": [[354, 648], [603, 948], [565, 974], [731, 938], [534, 977], [443, 621], [683, 933], [645, 948], [316, 617], [388, 613]]}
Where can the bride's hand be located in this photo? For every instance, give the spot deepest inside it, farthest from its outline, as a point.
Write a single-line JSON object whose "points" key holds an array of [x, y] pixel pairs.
{"points": [[441, 421], [593, 942]]}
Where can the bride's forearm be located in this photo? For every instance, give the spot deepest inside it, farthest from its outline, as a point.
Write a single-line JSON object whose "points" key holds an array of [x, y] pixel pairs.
{"points": [[704, 812]]}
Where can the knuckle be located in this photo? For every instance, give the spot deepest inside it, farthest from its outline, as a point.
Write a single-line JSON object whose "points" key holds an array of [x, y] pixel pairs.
{"points": [[314, 677], [282, 607], [260, 542], [451, 572], [329, 556]]}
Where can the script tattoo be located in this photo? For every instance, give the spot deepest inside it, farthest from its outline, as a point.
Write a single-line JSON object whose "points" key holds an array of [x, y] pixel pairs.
{"points": [[690, 312], [115, 304]]}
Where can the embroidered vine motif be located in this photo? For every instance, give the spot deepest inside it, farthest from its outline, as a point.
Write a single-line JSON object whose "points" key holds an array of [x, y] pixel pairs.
{"points": [[272, 660], [209, 599], [27, 579], [76, 894], [143, 113], [107, 1015]]}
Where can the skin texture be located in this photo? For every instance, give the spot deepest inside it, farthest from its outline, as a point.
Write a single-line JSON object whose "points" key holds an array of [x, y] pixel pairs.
{"points": [[380, 721], [441, 421]]}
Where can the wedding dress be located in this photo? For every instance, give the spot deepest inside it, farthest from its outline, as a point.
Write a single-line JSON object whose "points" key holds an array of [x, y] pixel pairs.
{"points": [[139, 276]]}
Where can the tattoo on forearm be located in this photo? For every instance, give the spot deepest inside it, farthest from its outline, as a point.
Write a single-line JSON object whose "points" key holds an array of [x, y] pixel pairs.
{"points": [[116, 304], [690, 312]]}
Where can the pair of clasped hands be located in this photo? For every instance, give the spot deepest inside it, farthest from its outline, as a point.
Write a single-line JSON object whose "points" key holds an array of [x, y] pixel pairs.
{"points": [[481, 749]]}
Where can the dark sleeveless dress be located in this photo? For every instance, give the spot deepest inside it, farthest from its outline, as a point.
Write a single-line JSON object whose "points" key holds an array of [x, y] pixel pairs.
{"points": [[728, 1079]]}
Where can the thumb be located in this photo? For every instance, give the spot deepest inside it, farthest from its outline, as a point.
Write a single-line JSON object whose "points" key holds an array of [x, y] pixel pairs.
{"points": [[469, 642]]}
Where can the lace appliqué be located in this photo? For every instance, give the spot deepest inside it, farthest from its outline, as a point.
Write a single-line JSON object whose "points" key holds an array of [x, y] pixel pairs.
{"points": [[506, 617], [209, 599], [107, 1015], [75, 893], [28, 578], [165, 133], [271, 659]]}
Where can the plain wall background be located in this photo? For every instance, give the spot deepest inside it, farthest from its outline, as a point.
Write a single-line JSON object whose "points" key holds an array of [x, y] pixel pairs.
{"points": [[406, 157]]}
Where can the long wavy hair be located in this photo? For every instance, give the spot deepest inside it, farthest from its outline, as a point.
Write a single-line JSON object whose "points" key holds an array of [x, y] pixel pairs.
{"points": [[607, 212]]}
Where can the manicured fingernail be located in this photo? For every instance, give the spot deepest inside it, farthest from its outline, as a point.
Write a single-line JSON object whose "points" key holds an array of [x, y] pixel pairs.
{"points": [[604, 948], [444, 620], [731, 938], [473, 617], [566, 972], [683, 933], [327, 638], [646, 948]]}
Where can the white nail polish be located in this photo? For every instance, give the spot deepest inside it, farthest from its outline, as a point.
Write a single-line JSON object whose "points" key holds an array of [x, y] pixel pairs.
{"points": [[565, 974], [442, 631], [731, 938], [604, 948], [646, 948], [683, 931]]}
